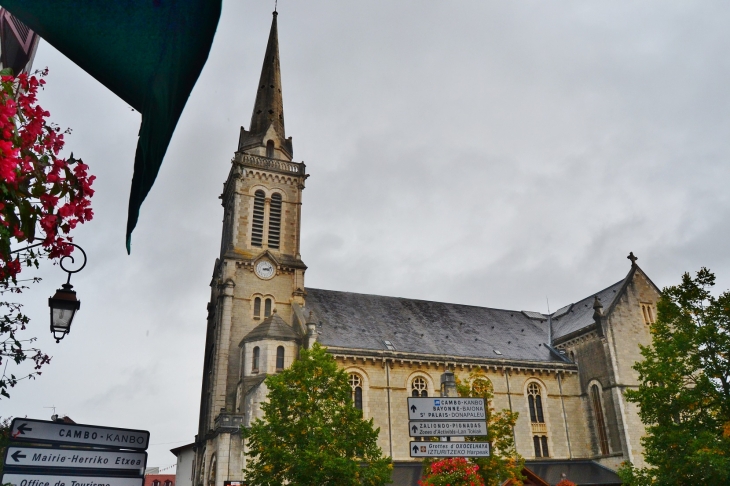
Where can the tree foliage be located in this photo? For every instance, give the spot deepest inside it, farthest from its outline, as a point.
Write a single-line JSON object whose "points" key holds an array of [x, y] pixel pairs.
{"points": [[311, 433], [504, 462], [44, 197], [456, 471], [684, 391], [4, 440]]}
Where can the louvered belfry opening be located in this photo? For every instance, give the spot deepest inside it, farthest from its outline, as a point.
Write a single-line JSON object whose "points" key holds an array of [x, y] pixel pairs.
{"points": [[257, 228], [275, 221]]}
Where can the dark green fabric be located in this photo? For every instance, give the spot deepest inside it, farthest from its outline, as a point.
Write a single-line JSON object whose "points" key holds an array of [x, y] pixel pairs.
{"points": [[148, 52]]}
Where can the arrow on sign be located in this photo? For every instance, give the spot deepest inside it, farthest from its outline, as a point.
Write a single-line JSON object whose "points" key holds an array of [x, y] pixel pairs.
{"points": [[415, 449], [414, 429], [413, 408], [17, 456], [23, 427]]}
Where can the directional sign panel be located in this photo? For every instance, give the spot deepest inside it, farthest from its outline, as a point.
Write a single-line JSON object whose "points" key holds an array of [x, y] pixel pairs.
{"points": [[446, 428], [130, 462], [59, 480], [447, 449], [446, 408], [90, 435]]}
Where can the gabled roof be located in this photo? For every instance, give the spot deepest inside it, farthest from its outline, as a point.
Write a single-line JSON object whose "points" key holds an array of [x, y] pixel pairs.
{"points": [[580, 315], [274, 328], [365, 322]]}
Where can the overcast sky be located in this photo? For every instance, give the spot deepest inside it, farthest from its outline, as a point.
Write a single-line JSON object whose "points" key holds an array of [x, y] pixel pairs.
{"points": [[485, 153]]}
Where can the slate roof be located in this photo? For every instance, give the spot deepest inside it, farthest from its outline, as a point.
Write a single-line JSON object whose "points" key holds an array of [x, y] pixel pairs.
{"points": [[273, 327], [582, 473], [361, 321], [580, 315]]}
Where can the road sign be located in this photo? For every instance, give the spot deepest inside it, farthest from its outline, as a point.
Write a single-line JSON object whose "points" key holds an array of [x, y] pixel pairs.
{"points": [[19, 479], [447, 449], [60, 433], [120, 461], [446, 428], [446, 408]]}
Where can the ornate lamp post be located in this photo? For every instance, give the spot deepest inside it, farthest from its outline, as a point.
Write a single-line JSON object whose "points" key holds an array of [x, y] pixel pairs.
{"points": [[64, 303]]}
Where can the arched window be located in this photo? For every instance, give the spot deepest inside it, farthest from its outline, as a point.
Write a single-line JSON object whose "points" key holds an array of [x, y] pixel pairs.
{"points": [[255, 361], [647, 311], [257, 227], [280, 358], [275, 221], [267, 307], [155, 483], [356, 385], [600, 422], [270, 149], [535, 401], [419, 388], [168, 483], [257, 307], [541, 446]]}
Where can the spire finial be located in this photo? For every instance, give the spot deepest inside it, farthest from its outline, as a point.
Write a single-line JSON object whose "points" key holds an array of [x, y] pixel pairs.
{"points": [[276, 2], [632, 258], [269, 106]]}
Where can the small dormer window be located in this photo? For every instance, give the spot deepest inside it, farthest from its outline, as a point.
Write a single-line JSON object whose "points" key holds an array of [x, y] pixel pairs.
{"points": [[270, 149], [389, 345]]}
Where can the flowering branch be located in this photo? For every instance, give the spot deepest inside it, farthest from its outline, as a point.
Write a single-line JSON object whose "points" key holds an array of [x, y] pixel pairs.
{"points": [[44, 197]]}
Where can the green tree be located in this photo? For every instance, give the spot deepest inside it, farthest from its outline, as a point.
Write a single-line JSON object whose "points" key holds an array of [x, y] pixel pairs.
{"points": [[311, 433], [4, 440], [504, 462], [684, 391]]}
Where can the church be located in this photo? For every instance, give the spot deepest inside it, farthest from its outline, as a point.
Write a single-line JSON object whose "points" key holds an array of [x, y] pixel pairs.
{"points": [[565, 373]]}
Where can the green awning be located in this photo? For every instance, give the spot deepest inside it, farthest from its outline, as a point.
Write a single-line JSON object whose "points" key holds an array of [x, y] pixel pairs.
{"points": [[148, 52]]}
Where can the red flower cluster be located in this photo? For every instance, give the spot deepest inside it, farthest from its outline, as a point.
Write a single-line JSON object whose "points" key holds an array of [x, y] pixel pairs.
{"points": [[39, 190], [456, 471]]}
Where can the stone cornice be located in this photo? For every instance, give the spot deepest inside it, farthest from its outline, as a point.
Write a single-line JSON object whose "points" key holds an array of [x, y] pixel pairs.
{"points": [[377, 356], [297, 169]]}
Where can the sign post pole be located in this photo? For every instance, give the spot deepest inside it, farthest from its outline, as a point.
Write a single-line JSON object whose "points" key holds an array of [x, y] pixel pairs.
{"points": [[445, 417]]}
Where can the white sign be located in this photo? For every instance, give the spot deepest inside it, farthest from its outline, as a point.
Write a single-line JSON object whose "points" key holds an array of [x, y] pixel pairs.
{"points": [[448, 449], [446, 408], [19, 479], [446, 428], [60, 433], [75, 458]]}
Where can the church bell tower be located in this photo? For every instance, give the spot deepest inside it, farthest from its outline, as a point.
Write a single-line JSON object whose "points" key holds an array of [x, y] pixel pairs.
{"points": [[257, 289]]}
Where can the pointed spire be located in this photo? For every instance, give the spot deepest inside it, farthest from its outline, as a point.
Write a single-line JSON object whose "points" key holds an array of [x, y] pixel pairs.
{"points": [[269, 105]]}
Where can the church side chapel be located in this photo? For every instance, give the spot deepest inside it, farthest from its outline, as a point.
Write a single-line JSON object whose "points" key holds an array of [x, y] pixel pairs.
{"points": [[564, 373]]}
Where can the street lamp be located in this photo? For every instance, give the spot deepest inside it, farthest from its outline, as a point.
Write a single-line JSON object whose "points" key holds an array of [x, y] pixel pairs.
{"points": [[64, 303]]}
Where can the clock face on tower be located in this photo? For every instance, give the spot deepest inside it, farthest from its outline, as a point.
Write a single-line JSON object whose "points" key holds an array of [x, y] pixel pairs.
{"points": [[264, 269]]}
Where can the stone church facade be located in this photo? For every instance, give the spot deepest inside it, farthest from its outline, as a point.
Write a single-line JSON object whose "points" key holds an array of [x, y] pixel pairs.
{"points": [[564, 373]]}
